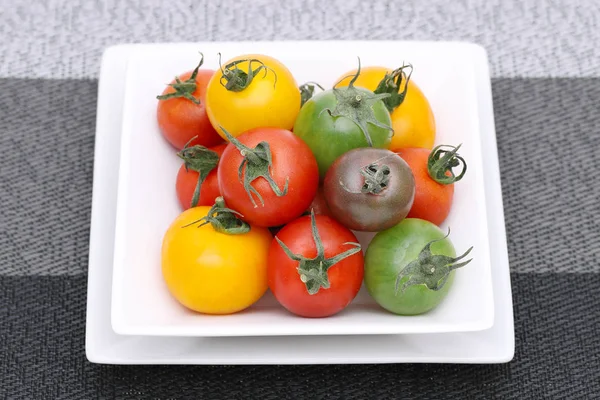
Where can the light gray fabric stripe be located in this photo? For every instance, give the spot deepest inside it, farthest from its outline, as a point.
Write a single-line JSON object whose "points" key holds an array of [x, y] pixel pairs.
{"points": [[65, 38], [548, 131]]}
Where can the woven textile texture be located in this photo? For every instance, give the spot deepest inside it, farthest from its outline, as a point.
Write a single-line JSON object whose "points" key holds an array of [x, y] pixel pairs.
{"points": [[546, 91]]}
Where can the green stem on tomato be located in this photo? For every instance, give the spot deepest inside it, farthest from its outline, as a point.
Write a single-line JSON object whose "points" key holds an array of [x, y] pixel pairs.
{"points": [[392, 84], [186, 88], [223, 219], [200, 159], [357, 106], [313, 271], [235, 79], [440, 164], [257, 163], [432, 270]]}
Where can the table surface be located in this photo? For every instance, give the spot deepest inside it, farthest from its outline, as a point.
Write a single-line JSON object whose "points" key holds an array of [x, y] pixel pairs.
{"points": [[546, 88]]}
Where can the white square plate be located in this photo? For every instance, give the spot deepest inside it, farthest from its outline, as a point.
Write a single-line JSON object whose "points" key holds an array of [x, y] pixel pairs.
{"points": [[103, 345], [147, 205]]}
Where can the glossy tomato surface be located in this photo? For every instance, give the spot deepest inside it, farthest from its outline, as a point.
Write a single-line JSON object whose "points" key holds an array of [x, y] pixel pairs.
{"points": [[259, 203], [180, 120], [345, 277], [369, 189], [390, 252], [212, 272], [433, 200], [271, 99]]}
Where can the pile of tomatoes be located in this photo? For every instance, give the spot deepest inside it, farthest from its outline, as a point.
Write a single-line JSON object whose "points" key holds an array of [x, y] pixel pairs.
{"points": [[276, 177]]}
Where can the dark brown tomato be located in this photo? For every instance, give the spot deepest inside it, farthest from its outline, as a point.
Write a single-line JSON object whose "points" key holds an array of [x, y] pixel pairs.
{"points": [[369, 189]]}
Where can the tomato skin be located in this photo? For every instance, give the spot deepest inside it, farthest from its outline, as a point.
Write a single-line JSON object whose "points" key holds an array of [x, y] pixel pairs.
{"points": [[264, 103], [390, 251], [345, 277], [433, 200], [329, 137], [413, 121], [292, 160], [370, 212], [211, 272], [187, 180], [319, 204], [179, 119]]}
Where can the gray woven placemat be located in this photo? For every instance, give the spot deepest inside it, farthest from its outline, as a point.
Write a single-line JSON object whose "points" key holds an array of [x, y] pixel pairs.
{"points": [[546, 89]]}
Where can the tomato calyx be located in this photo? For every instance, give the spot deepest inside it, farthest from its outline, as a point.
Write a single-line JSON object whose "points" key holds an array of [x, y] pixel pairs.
{"points": [[432, 270], [223, 219], [186, 88], [307, 91], [441, 162], [200, 159], [392, 83], [313, 271], [376, 177], [357, 106], [257, 163], [235, 80]]}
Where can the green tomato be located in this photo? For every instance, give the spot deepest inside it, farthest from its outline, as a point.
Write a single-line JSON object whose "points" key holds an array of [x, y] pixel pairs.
{"points": [[331, 135], [410, 267]]}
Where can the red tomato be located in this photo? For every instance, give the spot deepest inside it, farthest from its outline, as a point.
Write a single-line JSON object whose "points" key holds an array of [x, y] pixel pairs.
{"points": [[182, 114], [319, 204], [266, 195], [187, 180], [295, 260], [433, 200]]}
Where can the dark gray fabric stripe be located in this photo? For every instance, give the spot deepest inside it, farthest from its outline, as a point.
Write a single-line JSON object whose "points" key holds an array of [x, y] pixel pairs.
{"points": [[548, 134], [548, 131], [557, 341], [47, 140]]}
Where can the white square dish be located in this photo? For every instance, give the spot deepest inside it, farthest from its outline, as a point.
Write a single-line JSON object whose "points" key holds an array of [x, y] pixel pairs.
{"points": [[103, 345], [146, 202]]}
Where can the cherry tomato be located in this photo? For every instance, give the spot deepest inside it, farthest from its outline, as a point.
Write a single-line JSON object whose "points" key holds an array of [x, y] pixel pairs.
{"points": [[269, 175], [252, 91], [412, 120], [181, 111], [315, 266], [369, 189], [410, 268], [214, 263], [434, 181], [197, 177]]}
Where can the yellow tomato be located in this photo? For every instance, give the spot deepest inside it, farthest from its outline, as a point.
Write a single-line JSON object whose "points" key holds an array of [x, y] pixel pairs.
{"points": [[413, 121], [272, 99], [212, 272]]}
